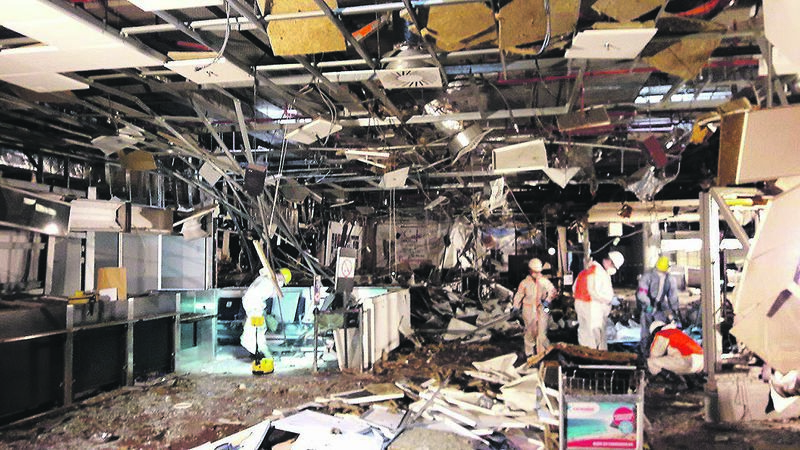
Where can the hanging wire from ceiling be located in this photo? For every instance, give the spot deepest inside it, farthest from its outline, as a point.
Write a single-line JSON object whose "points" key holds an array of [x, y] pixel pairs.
{"points": [[224, 42]]}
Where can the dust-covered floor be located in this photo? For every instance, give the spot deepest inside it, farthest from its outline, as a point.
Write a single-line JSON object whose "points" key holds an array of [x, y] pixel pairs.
{"points": [[185, 410]]}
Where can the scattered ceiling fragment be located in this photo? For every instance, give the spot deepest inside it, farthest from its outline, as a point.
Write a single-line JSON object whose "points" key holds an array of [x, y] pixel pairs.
{"points": [[583, 119], [610, 44], [312, 132], [561, 176], [210, 71], [687, 57], [138, 160], [648, 181], [781, 23], [626, 11], [766, 299], [523, 22], [394, 179], [457, 27], [303, 36], [520, 157]]}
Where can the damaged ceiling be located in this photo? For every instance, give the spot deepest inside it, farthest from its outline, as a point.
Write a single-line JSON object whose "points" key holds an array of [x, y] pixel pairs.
{"points": [[318, 99]]}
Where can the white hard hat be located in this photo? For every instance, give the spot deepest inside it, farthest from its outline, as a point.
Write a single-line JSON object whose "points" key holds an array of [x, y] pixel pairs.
{"points": [[655, 325], [616, 258], [535, 265]]}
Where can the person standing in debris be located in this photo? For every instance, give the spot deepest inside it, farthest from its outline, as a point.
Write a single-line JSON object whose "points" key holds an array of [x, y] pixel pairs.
{"points": [[593, 294], [657, 297], [533, 293], [673, 350], [254, 301]]}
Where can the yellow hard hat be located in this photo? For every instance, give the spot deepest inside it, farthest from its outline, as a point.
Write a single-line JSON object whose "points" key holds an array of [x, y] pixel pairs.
{"points": [[662, 264], [287, 275]]}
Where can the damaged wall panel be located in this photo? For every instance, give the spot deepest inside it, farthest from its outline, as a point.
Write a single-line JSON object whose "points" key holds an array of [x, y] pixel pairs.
{"points": [[303, 36]]}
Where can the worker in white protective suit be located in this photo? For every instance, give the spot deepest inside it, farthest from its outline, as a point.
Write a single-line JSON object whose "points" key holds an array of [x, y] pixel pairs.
{"points": [[534, 293], [673, 350], [593, 294], [254, 301]]}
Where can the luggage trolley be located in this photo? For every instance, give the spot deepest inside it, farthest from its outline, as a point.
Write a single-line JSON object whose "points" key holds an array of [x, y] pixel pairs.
{"points": [[601, 407]]}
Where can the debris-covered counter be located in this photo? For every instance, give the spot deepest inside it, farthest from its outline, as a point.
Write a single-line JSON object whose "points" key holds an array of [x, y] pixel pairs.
{"points": [[53, 352]]}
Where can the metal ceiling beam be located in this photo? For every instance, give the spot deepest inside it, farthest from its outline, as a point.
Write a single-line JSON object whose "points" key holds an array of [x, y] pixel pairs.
{"points": [[346, 33], [428, 46]]}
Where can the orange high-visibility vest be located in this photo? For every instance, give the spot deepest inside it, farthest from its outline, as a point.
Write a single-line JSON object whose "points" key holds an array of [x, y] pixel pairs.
{"points": [[582, 284], [681, 342]]}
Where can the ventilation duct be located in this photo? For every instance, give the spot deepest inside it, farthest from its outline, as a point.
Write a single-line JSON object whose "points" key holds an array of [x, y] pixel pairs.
{"points": [[27, 211], [411, 69], [465, 137]]}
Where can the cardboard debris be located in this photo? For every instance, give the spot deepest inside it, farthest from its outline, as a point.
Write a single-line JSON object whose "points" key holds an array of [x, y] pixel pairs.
{"points": [[303, 36], [687, 57], [626, 11], [524, 22], [456, 27], [113, 278]]}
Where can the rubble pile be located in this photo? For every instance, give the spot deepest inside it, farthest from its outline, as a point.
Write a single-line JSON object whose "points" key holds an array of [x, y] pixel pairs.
{"points": [[438, 313], [497, 405]]}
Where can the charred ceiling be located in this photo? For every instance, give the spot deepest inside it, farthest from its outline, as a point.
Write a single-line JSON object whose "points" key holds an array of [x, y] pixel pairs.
{"points": [[330, 97]]}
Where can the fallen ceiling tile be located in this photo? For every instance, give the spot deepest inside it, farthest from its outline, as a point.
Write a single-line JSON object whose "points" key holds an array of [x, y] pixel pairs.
{"points": [[159, 5], [312, 132], [781, 22], [687, 57], [113, 144], [49, 59], [138, 160], [303, 36], [210, 173], [685, 25], [524, 22], [44, 82], [454, 26], [583, 119], [394, 179], [520, 157], [610, 44], [207, 70], [626, 11], [561, 176]]}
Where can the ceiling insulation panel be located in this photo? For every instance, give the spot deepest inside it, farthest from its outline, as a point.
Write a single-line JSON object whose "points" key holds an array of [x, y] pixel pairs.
{"points": [[303, 36], [44, 82], [51, 59]]}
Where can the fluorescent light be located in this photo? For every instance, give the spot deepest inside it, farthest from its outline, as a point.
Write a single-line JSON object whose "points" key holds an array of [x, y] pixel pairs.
{"points": [[160, 5]]}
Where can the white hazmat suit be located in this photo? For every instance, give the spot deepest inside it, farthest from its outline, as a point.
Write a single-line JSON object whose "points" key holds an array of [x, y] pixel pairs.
{"points": [[254, 301]]}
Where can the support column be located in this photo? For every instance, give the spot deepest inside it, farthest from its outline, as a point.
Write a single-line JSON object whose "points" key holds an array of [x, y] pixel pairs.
{"points": [[651, 244], [711, 299]]}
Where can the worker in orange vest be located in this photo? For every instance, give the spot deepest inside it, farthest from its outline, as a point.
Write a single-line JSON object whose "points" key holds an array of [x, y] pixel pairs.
{"points": [[533, 294], [593, 294], [673, 350]]}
